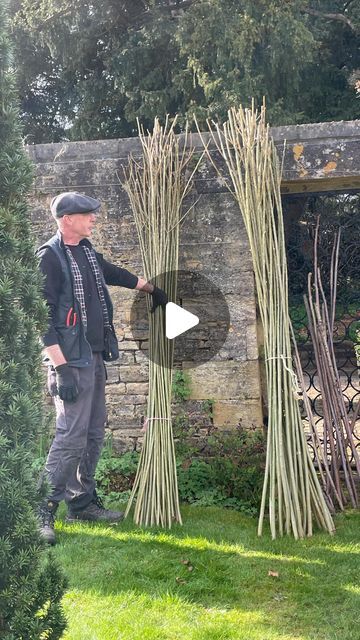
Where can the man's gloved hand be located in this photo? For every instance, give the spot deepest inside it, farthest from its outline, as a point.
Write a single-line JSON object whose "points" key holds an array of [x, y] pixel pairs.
{"points": [[159, 298], [66, 383]]}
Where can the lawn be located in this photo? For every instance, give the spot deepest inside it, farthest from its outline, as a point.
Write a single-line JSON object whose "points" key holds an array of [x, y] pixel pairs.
{"points": [[209, 580]]}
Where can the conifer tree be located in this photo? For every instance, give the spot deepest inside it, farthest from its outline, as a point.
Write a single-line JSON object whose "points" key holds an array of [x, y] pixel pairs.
{"points": [[31, 584], [89, 70]]}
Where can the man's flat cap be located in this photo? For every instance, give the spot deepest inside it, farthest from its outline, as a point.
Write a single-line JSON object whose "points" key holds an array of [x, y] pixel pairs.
{"points": [[71, 202]]}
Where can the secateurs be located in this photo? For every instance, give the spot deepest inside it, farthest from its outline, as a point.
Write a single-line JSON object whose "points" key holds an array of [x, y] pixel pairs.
{"points": [[71, 318]]}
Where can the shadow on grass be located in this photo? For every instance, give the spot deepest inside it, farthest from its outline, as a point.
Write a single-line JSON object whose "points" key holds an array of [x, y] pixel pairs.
{"points": [[217, 561]]}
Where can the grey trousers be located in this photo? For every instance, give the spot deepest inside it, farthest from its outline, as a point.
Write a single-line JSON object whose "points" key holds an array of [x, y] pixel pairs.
{"points": [[79, 436]]}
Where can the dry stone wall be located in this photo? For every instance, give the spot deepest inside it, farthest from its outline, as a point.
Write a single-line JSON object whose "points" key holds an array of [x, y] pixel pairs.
{"points": [[213, 241], [318, 157]]}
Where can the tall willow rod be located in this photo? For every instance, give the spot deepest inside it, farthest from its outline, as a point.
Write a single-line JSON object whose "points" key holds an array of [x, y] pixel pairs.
{"points": [[337, 456], [157, 185], [291, 489]]}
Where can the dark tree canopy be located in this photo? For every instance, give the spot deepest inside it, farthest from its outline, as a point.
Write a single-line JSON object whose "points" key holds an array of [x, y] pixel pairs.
{"points": [[89, 70]]}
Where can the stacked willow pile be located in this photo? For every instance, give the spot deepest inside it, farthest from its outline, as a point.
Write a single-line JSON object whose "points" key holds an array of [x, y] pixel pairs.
{"points": [[156, 186], [336, 453], [291, 487]]}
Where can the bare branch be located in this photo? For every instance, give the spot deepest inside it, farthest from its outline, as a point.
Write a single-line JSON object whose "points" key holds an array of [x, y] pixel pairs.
{"points": [[339, 17]]}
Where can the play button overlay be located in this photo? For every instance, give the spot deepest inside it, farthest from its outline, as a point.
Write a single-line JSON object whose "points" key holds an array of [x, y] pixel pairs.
{"points": [[178, 320], [196, 321]]}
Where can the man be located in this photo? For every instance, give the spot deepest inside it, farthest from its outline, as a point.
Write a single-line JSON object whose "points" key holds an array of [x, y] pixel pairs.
{"points": [[75, 345]]}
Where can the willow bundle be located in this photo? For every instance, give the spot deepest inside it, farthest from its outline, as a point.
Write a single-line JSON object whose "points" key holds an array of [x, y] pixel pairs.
{"points": [[336, 453], [156, 186], [291, 486]]}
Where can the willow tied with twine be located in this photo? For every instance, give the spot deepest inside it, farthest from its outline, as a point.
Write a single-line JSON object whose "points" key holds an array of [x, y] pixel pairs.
{"points": [[157, 185], [291, 486]]}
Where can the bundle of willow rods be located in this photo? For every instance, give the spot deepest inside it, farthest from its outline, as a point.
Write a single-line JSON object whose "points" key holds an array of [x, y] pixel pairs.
{"points": [[156, 186], [336, 454], [291, 486]]}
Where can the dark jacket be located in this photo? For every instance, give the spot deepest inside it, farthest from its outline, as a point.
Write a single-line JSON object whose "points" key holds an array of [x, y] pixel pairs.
{"points": [[72, 339]]}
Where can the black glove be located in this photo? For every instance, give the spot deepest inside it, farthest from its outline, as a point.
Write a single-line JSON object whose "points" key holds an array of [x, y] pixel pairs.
{"points": [[159, 298], [66, 383]]}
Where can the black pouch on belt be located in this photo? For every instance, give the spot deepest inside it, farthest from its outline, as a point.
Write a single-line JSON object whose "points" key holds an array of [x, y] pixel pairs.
{"points": [[111, 347]]}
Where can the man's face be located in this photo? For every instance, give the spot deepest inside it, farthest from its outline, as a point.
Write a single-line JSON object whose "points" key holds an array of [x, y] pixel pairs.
{"points": [[81, 224]]}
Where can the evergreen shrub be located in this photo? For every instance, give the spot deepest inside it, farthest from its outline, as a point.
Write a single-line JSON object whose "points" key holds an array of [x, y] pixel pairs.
{"points": [[31, 583]]}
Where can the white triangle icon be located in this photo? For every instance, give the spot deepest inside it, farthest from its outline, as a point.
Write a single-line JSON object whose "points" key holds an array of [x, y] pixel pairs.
{"points": [[178, 320]]}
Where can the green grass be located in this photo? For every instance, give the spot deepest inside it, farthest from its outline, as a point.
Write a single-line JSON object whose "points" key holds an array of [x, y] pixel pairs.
{"points": [[127, 583]]}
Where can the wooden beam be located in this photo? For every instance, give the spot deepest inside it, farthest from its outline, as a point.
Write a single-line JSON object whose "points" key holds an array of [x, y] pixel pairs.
{"points": [[314, 186]]}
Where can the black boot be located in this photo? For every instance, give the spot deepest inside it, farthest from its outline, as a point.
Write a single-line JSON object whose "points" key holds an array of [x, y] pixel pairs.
{"points": [[94, 512], [47, 513]]}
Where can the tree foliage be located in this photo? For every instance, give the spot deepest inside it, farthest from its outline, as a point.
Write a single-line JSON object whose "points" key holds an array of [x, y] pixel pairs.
{"points": [[30, 586], [88, 70]]}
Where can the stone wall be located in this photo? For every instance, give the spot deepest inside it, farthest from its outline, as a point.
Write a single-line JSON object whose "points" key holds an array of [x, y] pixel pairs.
{"points": [[213, 242]]}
